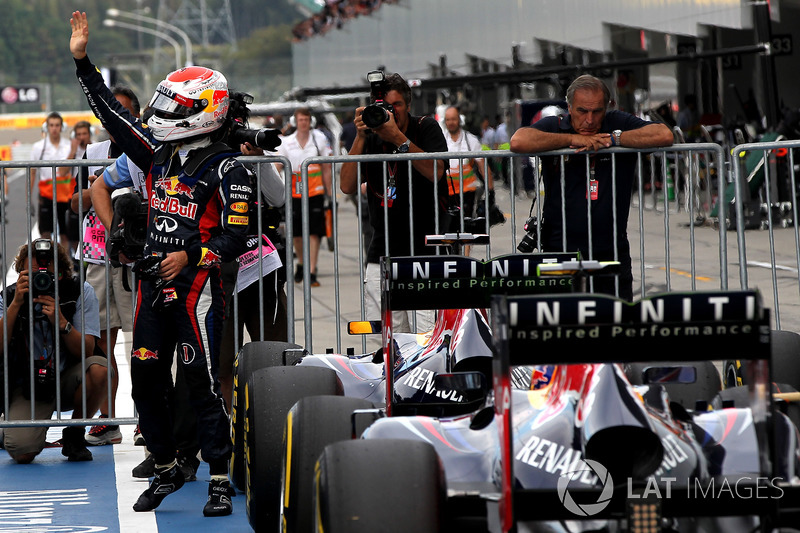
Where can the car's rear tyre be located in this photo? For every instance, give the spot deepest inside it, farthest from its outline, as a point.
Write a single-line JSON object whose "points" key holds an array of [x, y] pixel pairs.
{"points": [[253, 356], [312, 424], [784, 361], [269, 394], [387, 485]]}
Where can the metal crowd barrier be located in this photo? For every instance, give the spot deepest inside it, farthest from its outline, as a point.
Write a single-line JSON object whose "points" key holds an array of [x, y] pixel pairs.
{"points": [[776, 201], [675, 222], [5, 261], [675, 246]]}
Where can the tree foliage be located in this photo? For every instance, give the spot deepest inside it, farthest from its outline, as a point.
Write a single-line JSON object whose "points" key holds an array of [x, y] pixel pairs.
{"points": [[34, 37]]}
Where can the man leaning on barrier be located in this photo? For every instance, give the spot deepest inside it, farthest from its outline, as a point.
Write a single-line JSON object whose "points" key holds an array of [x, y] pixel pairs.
{"points": [[589, 128], [76, 324]]}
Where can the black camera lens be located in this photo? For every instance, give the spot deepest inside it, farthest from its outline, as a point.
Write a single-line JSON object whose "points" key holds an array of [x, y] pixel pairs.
{"points": [[375, 115], [43, 283], [265, 138]]}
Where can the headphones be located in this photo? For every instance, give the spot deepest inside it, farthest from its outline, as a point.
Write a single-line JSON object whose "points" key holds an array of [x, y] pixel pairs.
{"points": [[462, 120], [81, 124], [54, 115], [293, 122]]}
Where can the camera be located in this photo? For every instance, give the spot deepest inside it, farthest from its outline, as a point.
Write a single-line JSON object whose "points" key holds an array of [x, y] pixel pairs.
{"points": [[129, 227], [43, 282], [376, 113], [265, 138], [530, 241]]}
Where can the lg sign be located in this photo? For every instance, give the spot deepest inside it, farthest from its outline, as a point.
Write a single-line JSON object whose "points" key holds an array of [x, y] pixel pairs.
{"points": [[19, 94]]}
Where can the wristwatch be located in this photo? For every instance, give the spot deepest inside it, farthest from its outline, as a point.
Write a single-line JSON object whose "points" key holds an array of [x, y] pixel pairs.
{"points": [[615, 136], [403, 148], [66, 329]]}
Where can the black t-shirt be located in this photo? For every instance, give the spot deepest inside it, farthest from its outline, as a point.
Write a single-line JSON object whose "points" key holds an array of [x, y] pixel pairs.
{"points": [[575, 177], [427, 135]]}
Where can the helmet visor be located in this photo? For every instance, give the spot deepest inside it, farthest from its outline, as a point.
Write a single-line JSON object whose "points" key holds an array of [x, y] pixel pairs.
{"points": [[174, 106]]}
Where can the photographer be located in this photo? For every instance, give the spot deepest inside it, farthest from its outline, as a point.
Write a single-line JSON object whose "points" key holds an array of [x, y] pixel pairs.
{"points": [[392, 130], [198, 217], [37, 282]]}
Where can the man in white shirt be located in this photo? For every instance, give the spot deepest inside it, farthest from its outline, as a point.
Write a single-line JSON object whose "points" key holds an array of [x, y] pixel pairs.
{"points": [[307, 142], [53, 148], [464, 173]]}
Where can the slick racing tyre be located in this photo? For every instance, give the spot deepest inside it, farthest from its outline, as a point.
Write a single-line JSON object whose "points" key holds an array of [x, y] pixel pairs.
{"points": [[387, 485], [253, 356], [784, 361], [269, 393], [312, 424]]}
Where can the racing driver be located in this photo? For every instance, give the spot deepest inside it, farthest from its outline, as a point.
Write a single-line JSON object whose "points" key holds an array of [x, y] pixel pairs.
{"points": [[196, 220]]}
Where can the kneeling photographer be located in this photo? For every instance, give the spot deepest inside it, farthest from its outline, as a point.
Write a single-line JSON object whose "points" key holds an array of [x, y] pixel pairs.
{"points": [[30, 305]]}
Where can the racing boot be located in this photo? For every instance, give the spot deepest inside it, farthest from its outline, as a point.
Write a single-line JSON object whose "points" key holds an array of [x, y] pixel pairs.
{"points": [[219, 501], [145, 469], [73, 444], [166, 481], [188, 465]]}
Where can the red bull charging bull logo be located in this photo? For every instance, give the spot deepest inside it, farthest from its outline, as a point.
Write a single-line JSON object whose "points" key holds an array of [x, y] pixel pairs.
{"points": [[174, 187], [143, 354]]}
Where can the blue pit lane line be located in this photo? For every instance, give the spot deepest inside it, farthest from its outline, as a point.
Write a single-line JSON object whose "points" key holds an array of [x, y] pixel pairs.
{"points": [[52, 495]]}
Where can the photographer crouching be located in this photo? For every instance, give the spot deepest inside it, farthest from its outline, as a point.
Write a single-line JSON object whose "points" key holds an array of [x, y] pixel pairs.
{"points": [[34, 319]]}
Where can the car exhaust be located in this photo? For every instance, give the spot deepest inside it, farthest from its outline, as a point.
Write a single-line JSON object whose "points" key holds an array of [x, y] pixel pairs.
{"points": [[615, 429]]}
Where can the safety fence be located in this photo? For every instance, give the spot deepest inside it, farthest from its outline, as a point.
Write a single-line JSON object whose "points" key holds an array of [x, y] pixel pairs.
{"points": [[677, 229]]}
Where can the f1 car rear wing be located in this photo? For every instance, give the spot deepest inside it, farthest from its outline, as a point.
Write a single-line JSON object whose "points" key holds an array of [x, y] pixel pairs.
{"points": [[458, 282], [590, 328]]}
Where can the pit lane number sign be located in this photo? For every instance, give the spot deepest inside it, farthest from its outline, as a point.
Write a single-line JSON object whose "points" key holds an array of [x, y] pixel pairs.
{"points": [[22, 94]]}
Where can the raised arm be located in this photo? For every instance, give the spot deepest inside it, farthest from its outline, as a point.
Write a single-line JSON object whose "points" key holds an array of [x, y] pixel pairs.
{"points": [[126, 129]]}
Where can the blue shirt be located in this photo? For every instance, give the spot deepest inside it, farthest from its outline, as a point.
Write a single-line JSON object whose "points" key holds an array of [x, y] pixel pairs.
{"points": [[87, 308]]}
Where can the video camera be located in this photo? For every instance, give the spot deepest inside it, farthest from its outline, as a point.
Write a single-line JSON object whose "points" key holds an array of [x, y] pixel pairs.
{"points": [[43, 282], [264, 138], [376, 113], [128, 228]]}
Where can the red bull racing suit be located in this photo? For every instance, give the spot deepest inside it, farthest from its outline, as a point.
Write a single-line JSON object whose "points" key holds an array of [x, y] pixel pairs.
{"points": [[195, 205]]}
